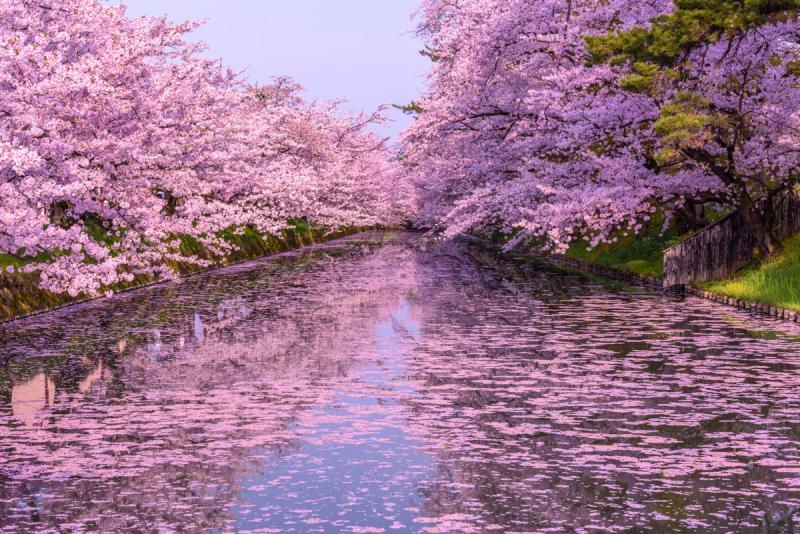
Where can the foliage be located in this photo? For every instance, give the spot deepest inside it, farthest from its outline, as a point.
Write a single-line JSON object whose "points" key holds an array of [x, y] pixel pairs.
{"points": [[692, 23], [724, 75], [641, 254], [563, 120], [118, 135]]}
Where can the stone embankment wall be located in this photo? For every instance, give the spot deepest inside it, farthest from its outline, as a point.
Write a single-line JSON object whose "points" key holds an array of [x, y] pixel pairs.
{"points": [[726, 246], [21, 296], [755, 308], [601, 270]]}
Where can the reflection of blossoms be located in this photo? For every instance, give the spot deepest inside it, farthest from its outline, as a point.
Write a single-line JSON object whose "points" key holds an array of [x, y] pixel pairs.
{"points": [[552, 405], [368, 384], [197, 410]]}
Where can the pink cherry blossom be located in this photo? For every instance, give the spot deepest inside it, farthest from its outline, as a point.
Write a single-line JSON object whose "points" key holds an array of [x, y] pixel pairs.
{"points": [[123, 123], [519, 132]]}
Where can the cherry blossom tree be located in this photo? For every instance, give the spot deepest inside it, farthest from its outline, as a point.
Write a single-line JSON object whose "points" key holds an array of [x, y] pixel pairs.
{"points": [[542, 122], [724, 75], [118, 136], [517, 134]]}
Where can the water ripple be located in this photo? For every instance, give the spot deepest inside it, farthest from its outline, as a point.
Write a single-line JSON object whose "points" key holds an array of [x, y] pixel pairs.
{"points": [[386, 383]]}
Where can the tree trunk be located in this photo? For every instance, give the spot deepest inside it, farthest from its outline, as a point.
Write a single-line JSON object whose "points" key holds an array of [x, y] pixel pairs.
{"points": [[757, 225], [59, 216], [691, 217]]}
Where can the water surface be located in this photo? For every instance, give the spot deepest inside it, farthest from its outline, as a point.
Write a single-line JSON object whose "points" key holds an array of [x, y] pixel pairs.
{"points": [[387, 383]]}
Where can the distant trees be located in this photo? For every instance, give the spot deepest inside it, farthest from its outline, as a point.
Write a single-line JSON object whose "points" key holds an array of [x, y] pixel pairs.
{"points": [[117, 136], [558, 119]]}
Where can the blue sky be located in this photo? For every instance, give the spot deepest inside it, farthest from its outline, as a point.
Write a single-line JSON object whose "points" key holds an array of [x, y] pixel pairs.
{"points": [[361, 50]]}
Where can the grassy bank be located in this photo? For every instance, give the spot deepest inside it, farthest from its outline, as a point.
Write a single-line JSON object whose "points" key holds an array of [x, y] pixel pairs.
{"points": [[775, 281], [20, 294], [641, 254]]}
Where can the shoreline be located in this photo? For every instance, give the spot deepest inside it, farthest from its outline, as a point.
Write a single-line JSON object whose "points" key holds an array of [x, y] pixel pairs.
{"points": [[295, 240], [760, 309]]}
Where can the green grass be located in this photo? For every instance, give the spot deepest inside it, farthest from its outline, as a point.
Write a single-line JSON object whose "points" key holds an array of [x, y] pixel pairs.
{"points": [[640, 254], [775, 281]]}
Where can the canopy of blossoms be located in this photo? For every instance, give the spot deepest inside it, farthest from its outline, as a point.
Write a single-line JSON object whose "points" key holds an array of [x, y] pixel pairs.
{"points": [[117, 136], [529, 130]]}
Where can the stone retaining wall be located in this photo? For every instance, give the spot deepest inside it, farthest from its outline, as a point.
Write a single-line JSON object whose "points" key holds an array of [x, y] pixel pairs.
{"points": [[608, 272], [726, 246], [756, 308]]}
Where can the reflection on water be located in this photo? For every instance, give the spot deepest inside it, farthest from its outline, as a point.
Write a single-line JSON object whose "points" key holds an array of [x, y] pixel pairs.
{"points": [[383, 383], [29, 398]]}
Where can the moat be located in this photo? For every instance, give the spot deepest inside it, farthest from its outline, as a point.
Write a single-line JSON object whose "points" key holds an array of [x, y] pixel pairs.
{"points": [[389, 383]]}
